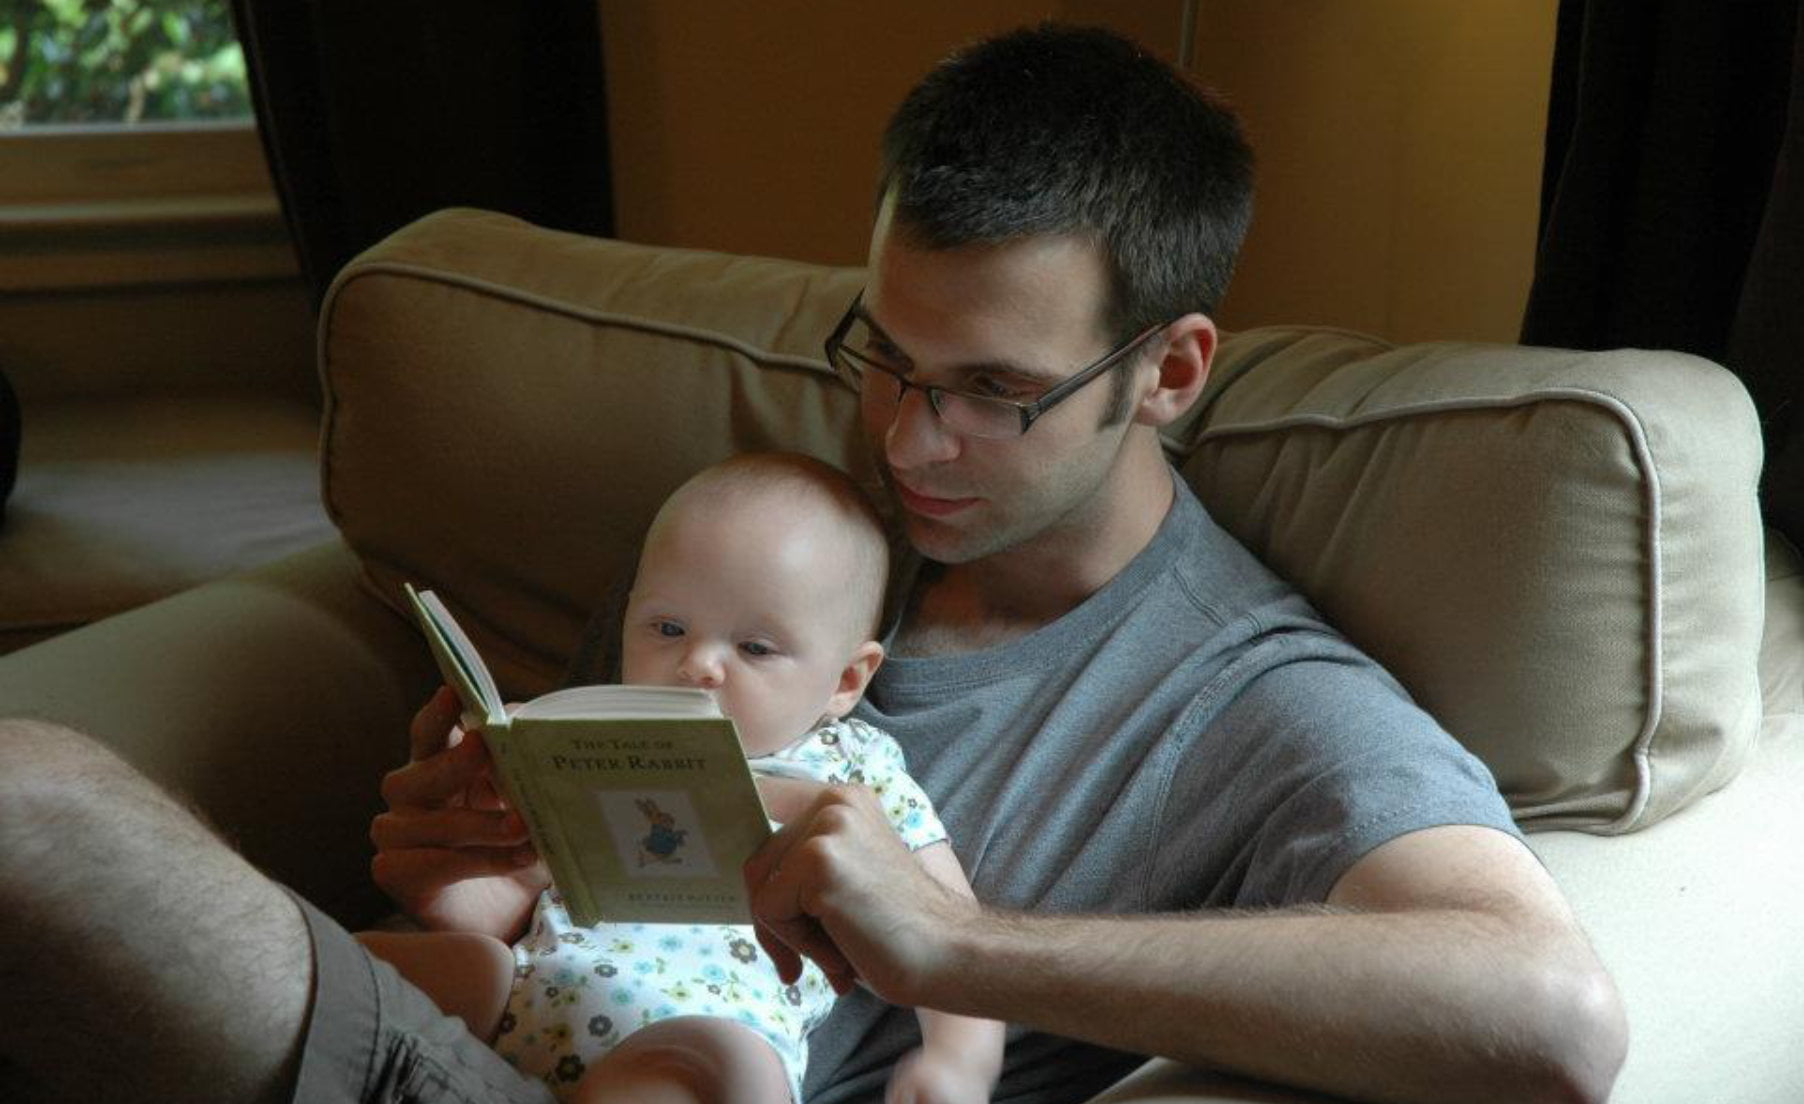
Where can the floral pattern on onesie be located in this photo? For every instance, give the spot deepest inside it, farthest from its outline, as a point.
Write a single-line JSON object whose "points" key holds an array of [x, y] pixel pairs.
{"points": [[579, 991]]}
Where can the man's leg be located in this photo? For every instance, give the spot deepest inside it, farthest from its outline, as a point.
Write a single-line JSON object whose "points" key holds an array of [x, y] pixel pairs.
{"points": [[140, 958]]}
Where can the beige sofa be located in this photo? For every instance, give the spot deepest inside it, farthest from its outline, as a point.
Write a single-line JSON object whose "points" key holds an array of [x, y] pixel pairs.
{"points": [[137, 485], [1559, 553]]}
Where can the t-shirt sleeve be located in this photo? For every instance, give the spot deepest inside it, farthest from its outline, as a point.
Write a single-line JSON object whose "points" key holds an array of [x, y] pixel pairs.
{"points": [[1319, 758]]}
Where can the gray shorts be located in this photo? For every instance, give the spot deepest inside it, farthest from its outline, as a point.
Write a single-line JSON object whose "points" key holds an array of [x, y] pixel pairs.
{"points": [[372, 1037]]}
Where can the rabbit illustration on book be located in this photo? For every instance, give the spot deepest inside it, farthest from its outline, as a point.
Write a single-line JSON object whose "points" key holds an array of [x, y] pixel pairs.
{"points": [[664, 839]]}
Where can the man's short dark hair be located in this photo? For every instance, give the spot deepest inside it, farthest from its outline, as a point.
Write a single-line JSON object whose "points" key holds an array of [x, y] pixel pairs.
{"points": [[1075, 130]]}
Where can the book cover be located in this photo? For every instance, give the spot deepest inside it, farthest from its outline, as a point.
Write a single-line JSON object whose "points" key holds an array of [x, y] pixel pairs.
{"points": [[638, 798]]}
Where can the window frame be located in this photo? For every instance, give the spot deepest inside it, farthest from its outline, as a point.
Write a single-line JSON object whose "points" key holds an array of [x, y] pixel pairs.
{"points": [[104, 206]]}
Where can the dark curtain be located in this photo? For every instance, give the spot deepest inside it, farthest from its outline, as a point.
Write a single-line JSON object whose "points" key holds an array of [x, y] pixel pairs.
{"points": [[1672, 205], [9, 443], [373, 114]]}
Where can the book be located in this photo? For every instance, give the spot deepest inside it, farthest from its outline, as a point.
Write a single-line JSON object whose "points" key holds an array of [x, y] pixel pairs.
{"points": [[639, 798]]}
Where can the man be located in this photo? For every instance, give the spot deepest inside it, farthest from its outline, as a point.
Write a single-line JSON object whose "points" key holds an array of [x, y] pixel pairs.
{"points": [[1116, 709], [1063, 678]]}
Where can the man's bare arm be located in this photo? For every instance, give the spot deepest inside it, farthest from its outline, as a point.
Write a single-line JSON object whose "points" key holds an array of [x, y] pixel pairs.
{"points": [[1445, 966]]}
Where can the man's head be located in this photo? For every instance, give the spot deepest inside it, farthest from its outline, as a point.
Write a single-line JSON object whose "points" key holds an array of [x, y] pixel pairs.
{"points": [[761, 581], [1047, 196], [1077, 131]]}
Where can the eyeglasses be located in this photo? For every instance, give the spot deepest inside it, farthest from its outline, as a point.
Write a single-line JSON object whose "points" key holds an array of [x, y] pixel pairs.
{"points": [[859, 349]]}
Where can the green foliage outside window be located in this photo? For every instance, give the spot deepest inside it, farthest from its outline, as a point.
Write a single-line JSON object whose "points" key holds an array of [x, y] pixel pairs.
{"points": [[68, 62]]}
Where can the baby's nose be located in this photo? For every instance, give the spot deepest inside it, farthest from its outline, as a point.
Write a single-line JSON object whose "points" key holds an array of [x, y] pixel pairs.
{"points": [[701, 667]]}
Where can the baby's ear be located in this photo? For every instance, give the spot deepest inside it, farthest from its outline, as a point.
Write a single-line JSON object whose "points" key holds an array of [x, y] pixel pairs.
{"points": [[855, 677]]}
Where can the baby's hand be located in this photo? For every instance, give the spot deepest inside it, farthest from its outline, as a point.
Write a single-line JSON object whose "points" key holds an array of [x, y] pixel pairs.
{"points": [[941, 1077]]}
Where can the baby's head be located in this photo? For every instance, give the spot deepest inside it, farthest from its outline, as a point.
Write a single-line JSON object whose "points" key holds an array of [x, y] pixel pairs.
{"points": [[761, 581]]}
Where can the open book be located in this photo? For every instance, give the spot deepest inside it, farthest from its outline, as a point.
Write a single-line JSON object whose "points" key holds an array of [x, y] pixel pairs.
{"points": [[638, 797]]}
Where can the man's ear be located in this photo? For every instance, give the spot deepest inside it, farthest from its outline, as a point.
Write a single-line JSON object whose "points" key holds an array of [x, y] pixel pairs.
{"points": [[1183, 369], [855, 677]]}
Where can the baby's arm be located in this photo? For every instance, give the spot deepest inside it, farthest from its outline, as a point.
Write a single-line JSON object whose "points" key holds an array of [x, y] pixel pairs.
{"points": [[786, 798], [960, 1057]]}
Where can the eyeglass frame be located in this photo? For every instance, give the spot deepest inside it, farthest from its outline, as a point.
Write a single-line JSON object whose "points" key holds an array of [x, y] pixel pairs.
{"points": [[1029, 412]]}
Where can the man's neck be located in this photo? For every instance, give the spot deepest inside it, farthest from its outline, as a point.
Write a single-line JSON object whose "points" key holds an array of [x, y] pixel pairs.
{"points": [[965, 607]]}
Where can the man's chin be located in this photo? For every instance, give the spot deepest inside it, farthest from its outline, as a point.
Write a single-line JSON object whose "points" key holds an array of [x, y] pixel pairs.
{"points": [[942, 542]]}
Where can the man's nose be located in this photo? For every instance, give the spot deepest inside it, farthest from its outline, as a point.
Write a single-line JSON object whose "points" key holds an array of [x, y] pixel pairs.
{"points": [[916, 437]]}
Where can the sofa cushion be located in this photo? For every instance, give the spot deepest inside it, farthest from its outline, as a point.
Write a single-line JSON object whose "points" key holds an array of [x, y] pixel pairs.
{"points": [[1558, 553], [123, 501], [507, 407]]}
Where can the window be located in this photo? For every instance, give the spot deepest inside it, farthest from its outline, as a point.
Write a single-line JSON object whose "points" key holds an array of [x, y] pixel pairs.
{"points": [[128, 154], [66, 62]]}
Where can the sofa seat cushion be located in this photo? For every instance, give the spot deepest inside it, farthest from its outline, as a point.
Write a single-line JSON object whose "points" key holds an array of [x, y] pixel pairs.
{"points": [[125, 501]]}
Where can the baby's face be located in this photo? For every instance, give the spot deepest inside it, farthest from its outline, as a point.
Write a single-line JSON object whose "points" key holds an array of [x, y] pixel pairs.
{"points": [[747, 606]]}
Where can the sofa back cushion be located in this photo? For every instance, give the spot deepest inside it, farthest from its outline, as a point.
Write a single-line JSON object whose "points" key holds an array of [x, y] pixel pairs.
{"points": [[1558, 553]]}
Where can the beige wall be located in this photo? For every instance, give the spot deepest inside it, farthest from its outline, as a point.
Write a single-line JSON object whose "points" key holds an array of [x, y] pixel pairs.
{"points": [[1400, 147], [753, 127], [1400, 140]]}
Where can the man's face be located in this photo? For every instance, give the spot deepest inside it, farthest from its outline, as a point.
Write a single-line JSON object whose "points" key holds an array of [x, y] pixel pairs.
{"points": [[1014, 320]]}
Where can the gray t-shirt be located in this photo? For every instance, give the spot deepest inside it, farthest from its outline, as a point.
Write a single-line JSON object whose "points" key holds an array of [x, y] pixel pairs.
{"points": [[1192, 736]]}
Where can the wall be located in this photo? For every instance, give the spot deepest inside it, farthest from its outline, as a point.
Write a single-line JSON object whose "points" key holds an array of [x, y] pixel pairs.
{"points": [[1400, 148], [753, 128], [1400, 140]]}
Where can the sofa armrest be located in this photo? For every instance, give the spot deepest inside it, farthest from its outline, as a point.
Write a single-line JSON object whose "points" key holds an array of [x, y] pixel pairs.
{"points": [[273, 701]]}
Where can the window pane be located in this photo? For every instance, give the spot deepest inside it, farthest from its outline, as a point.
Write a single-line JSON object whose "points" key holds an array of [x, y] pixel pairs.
{"points": [[68, 62]]}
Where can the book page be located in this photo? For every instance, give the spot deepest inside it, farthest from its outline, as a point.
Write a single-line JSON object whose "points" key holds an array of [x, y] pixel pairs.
{"points": [[458, 661], [622, 701]]}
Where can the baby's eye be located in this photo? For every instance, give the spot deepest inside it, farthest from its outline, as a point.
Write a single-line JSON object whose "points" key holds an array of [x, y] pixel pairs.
{"points": [[667, 628], [757, 649]]}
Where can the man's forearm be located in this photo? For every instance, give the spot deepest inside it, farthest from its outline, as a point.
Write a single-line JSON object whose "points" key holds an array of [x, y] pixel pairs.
{"points": [[1448, 968], [1421, 1005]]}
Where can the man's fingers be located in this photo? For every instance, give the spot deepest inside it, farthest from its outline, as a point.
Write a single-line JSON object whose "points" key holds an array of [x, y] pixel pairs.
{"points": [[431, 728], [787, 962], [409, 828], [438, 779], [776, 878], [788, 943]]}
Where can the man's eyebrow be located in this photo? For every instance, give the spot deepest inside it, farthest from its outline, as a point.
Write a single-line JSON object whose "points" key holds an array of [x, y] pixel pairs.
{"points": [[865, 314], [1010, 367]]}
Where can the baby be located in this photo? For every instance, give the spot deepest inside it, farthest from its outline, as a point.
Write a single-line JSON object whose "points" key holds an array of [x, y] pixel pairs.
{"points": [[761, 581]]}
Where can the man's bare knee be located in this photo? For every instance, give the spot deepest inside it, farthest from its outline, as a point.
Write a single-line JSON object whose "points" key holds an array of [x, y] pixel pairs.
{"points": [[61, 790], [128, 893], [29, 746], [44, 770]]}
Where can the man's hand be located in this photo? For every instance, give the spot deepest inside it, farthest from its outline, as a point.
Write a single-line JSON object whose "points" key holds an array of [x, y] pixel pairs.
{"points": [[448, 850], [837, 885]]}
